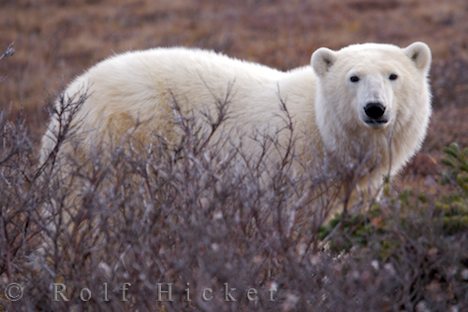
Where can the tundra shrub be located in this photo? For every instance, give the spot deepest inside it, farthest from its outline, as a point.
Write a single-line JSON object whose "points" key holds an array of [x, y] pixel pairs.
{"points": [[183, 229]]}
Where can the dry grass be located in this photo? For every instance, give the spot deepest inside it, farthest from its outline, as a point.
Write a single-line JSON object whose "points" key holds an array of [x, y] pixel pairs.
{"points": [[191, 218]]}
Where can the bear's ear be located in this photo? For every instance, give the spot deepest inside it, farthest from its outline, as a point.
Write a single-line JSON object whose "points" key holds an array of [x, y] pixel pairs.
{"points": [[322, 59], [420, 54]]}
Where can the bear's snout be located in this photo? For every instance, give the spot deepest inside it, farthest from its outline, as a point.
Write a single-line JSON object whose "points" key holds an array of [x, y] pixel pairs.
{"points": [[375, 111]]}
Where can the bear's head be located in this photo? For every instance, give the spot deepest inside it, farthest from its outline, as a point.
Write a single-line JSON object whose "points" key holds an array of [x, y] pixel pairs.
{"points": [[372, 91]]}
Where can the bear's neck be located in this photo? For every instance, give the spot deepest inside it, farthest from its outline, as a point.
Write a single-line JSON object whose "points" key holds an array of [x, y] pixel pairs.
{"points": [[297, 90], [365, 154]]}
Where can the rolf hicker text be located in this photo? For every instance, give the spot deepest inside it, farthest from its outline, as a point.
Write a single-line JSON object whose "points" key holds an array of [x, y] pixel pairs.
{"points": [[164, 292]]}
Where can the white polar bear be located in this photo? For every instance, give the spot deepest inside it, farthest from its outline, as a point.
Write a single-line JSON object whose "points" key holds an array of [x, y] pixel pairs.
{"points": [[364, 97]]}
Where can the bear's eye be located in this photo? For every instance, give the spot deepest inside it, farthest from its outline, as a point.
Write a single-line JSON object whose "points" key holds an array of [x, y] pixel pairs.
{"points": [[354, 78], [393, 77]]}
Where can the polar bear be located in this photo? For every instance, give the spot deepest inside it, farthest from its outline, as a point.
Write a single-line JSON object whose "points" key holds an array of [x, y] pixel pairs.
{"points": [[367, 102]]}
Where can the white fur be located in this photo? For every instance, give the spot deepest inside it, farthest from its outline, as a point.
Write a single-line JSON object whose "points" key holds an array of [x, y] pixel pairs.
{"points": [[340, 103], [326, 107]]}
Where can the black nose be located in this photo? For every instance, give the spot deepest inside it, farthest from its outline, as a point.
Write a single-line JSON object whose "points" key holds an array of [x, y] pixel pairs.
{"points": [[374, 110]]}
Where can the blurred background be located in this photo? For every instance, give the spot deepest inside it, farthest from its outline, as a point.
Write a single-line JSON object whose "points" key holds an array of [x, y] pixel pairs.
{"points": [[56, 40]]}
